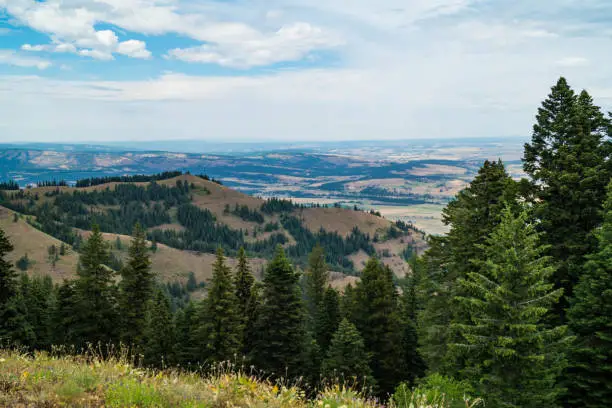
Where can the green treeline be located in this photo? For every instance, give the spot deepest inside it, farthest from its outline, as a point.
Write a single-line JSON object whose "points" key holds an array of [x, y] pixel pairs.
{"points": [[516, 298], [289, 325], [137, 178]]}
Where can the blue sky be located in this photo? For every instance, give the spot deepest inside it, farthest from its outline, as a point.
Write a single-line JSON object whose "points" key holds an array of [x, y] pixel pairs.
{"points": [[113, 70]]}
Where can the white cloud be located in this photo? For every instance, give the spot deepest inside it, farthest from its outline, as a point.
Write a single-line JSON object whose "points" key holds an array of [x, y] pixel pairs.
{"points": [[134, 49], [573, 62], [241, 48], [71, 27], [11, 57]]}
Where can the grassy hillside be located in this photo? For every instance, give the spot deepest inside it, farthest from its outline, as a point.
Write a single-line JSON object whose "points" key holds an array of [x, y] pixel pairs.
{"points": [[28, 240], [47, 381], [176, 259]]}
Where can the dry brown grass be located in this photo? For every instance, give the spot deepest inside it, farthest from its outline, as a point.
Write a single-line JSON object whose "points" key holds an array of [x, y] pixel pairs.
{"points": [[342, 220], [28, 240]]}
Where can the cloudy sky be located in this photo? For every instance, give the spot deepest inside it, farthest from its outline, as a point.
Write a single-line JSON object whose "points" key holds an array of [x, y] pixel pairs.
{"points": [[113, 70]]}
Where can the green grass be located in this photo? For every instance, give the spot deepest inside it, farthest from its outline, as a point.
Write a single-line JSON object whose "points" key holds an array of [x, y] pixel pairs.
{"points": [[49, 381]]}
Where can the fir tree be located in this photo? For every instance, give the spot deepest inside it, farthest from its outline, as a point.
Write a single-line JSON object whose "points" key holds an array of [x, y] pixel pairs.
{"points": [[328, 318], [96, 319], [567, 161], [135, 290], [471, 216], [280, 344], [414, 365], [14, 327], [246, 295], [159, 339], [347, 359], [64, 314], [185, 347], [590, 319], [221, 323], [517, 358], [316, 279], [37, 293], [379, 322]]}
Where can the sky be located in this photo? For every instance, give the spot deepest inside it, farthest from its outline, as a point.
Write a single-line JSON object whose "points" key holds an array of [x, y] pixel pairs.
{"points": [[307, 70]]}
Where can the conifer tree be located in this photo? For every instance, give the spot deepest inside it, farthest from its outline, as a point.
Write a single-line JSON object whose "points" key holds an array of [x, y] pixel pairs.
{"points": [[37, 293], [280, 344], [590, 319], [316, 279], [328, 318], [64, 314], [347, 359], [471, 216], [96, 317], [14, 327], [221, 323], [379, 322], [159, 338], [135, 290], [568, 163], [414, 365], [185, 347], [246, 294], [518, 358]]}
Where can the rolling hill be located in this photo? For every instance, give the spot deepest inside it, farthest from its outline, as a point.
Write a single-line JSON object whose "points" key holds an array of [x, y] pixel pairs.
{"points": [[48, 216]]}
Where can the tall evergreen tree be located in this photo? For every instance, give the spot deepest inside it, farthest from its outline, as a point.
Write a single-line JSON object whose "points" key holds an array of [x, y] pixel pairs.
{"points": [[185, 347], [96, 319], [347, 359], [221, 323], [14, 327], [590, 319], [414, 365], [471, 216], [517, 358], [38, 294], [159, 336], [316, 279], [280, 344], [328, 318], [135, 290], [568, 162], [64, 314], [379, 321], [247, 297]]}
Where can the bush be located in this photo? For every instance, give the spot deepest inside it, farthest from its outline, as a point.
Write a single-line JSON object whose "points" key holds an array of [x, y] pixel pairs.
{"points": [[438, 391]]}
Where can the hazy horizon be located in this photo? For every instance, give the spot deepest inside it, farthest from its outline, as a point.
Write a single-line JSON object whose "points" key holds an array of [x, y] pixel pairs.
{"points": [[75, 70]]}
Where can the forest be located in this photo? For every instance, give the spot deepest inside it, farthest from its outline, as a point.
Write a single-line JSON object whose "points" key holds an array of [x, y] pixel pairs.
{"points": [[513, 305]]}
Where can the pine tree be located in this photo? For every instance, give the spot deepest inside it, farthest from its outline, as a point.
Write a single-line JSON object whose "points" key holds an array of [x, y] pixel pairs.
{"points": [[414, 365], [37, 293], [244, 282], [568, 163], [328, 318], [159, 336], [517, 359], [96, 318], [316, 279], [220, 332], [471, 216], [379, 322], [135, 290], [63, 316], [14, 327], [280, 344], [590, 319], [347, 359], [185, 347]]}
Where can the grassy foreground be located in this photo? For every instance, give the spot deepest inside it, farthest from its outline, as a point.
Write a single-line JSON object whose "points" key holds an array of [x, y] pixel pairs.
{"points": [[48, 381]]}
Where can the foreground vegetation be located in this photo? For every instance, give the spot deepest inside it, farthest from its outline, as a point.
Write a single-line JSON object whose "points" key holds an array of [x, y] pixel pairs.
{"points": [[45, 380]]}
